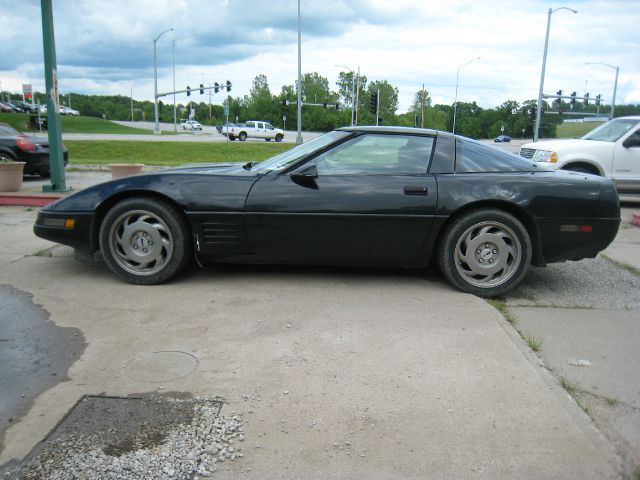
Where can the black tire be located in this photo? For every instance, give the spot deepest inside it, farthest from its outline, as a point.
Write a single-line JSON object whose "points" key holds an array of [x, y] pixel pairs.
{"points": [[279, 137], [267, 139], [232, 138], [145, 240], [486, 252], [242, 137]]}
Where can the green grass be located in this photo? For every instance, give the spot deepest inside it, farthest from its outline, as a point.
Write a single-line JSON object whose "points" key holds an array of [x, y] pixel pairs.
{"points": [[534, 343], [575, 130], [72, 124], [100, 152], [502, 308]]}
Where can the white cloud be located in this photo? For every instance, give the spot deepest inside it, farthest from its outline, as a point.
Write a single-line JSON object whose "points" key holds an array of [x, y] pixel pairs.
{"points": [[105, 47]]}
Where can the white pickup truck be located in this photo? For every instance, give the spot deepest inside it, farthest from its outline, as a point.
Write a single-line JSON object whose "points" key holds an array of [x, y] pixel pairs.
{"points": [[611, 150], [254, 129]]}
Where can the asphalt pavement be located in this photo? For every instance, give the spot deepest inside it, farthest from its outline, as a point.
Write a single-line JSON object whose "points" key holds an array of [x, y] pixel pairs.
{"points": [[353, 373]]}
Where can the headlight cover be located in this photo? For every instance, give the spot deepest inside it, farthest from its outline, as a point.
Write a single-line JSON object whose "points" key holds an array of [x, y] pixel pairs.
{"points": [[545, 156]]}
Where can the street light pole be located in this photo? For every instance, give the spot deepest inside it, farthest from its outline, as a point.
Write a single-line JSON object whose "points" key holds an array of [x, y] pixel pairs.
{"points": [[353, 92], [156, 128], [615, 85], [544, 65], [299, 111], [455, 102]]}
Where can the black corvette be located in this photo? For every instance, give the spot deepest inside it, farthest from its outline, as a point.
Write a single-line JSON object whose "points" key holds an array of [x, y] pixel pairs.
{"points": [[379, 196]]}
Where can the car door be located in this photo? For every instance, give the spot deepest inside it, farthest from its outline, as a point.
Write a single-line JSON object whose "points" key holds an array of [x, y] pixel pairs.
{"points": [[626, 164], [368, 200], [260, 130]]}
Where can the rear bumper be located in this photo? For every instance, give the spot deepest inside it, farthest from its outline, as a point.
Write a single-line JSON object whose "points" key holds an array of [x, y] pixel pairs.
{"points": [[39, 162], [577, 238]]}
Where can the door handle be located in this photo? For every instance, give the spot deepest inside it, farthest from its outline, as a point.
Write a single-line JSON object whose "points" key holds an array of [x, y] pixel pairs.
{"points": [[416, 190]]}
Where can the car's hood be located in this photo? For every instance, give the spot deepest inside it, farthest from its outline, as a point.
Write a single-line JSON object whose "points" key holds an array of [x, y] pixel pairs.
{"points": [[218, 168], [564, 145]]}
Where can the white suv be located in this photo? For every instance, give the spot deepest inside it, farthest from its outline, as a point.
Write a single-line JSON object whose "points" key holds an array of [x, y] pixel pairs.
{"points": [[190, 125], [611, 150]]}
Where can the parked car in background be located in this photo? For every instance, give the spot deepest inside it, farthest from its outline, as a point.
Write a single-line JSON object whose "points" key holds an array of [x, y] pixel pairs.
{"points": [[376, 196], [191, 125], [254, 129], [27, 107], [610, 150], [68, 111], [502, 139], [6, 108], [34, 151]]}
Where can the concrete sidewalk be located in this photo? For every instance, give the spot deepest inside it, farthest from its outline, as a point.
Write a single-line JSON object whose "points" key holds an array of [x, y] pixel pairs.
{"points": [[336, 372]]}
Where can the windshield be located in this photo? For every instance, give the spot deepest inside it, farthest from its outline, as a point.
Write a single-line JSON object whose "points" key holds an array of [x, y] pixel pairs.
{"points": [[611, 131], [285, 159]]}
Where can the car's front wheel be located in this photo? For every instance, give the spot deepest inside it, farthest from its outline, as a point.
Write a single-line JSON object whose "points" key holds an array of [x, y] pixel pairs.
{"points": [[486, 252], [145, 241], [279, 137]]}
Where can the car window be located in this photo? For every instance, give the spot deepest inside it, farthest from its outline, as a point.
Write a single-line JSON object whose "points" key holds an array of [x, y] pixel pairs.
{"points": [[611, 131], [476, 157], [268, 126], [249, 124], [373, 154]]}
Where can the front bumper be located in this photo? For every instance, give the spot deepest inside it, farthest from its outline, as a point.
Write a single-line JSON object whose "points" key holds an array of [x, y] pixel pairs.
{"points": [[51, 226]]}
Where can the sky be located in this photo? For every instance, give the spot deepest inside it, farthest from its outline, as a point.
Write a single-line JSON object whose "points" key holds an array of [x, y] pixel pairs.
{"points": [[106, 47]]}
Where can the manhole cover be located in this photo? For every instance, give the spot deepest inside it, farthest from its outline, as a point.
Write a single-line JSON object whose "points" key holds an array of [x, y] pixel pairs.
{"points": [[158, 367]]}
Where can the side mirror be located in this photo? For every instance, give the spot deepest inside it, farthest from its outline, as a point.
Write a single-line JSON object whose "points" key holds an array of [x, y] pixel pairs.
{"points": [[305, 176], [632, 141]]}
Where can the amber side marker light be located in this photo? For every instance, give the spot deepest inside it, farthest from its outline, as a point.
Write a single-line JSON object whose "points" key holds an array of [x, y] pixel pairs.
{"points": [[69, 223]]}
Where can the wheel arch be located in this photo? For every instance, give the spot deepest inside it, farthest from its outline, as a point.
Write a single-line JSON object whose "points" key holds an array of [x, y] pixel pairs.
{"points": [[537, 257], [586, 164], [104, 207]]}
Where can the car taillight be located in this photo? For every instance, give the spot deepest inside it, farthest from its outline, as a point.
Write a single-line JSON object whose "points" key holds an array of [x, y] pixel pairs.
{"points": [[25, 144]]}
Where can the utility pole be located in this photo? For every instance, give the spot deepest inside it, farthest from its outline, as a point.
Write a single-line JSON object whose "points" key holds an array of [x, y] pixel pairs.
{"points": [[422, 107], [357, 95], [299, 136], [56, 158], [132, 104], [378, 107]]}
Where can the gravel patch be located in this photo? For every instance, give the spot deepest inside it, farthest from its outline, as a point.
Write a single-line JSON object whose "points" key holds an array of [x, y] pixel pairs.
{"points": [[590, 283], [150, 437]]}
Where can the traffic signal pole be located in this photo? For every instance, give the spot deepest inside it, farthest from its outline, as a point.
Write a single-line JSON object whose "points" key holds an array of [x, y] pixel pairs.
{"points": [[56, 158]]}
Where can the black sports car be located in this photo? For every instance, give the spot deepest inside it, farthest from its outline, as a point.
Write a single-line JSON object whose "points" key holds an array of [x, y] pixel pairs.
{"points": [[385, 196], [34, 151]]}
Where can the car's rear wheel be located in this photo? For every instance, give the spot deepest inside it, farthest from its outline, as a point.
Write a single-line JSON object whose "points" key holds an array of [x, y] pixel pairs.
{"points": [[485, 252], [242, 136], [279, 137], [145, 241]]}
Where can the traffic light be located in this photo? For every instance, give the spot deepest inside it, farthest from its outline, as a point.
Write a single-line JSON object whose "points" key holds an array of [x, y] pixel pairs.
{"points": [[325, 104], [559, 100], [337, 106], [216, 87], [228, 86], [573, 99], [586, 98], [201, 89], [285, 103], [160, 105], [374, 102], [598, 97], [188, 90]]}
